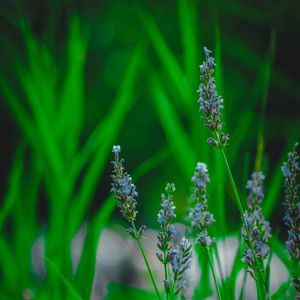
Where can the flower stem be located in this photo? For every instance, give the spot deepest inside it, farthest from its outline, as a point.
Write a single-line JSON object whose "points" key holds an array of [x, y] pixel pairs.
{"points": [[214, 274], [146, 261], [166, 275], [239, 204]]}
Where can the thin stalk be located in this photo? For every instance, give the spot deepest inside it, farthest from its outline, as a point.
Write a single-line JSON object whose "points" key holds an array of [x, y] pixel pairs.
{"points": [[239, 204], [166, 274], [258, 289], [165, 265], [214, 274], [146, 261]]}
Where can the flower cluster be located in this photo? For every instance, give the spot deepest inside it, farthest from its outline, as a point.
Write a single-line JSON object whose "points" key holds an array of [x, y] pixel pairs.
{"points": [[258, 227], [290, 170], [211, 102], [165, 218], [180, 259], [125, 192], [199, 215]]}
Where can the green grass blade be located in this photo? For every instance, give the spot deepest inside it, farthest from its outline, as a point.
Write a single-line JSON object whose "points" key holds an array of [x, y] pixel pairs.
{"points": [[44, 134], [187, 11], [123, 292], [282, 291], [8, 266], [68, 285], [168, 60], [178, 139], [203, 289], [19, 113], [72, 95], [13, 185], [42, 70]]}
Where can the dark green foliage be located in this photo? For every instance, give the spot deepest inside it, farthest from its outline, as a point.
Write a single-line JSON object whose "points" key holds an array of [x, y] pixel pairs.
{"points": [[77, 78]]}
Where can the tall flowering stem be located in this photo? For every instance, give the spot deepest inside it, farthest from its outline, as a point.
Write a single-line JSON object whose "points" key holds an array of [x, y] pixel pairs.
{"points": [[258, 227], [165, 218], [211, 102], [126, 195], [200, 217], [290, 170], [123, 188], [179, 256], [210, 107]]}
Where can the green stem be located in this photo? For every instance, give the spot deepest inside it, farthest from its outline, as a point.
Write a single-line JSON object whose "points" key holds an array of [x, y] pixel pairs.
{"points": [[239, 204], [166, 274], [214, 274], [146, 261], [258, 288]]}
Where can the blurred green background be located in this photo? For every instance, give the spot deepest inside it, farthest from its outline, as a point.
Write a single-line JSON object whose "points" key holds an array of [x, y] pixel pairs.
{"points": [[79, 76]]}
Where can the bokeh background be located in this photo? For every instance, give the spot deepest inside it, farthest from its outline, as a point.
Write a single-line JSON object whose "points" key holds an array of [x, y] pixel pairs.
{"points": [[80, 76]]}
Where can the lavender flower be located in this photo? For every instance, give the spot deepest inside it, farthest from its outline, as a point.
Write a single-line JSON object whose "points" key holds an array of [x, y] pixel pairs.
{"points": [[211, 102], [180, 259], [258, 227], [125, 192], [290, 170], [200, 217], [165, 218]]}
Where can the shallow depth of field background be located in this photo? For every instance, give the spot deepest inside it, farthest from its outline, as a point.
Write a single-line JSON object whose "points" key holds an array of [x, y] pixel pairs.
{"points": [[80, 76]]}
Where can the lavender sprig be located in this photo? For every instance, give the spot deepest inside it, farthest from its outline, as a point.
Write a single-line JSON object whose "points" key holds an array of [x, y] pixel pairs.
{"points": [[126, 194], [211, 102], [200, 217], [290, 170], [210, 106], [165, 236], [258, 227], [180, 259], [123, 188]]}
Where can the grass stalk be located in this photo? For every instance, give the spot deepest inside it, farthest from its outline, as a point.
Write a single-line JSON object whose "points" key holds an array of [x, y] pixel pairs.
{"points": [[240, 207], [214, 274], [146, 260], [63, 279]]}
